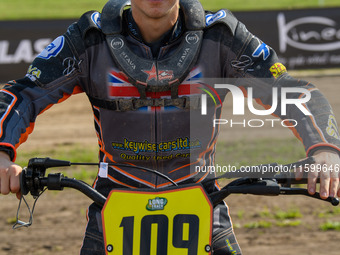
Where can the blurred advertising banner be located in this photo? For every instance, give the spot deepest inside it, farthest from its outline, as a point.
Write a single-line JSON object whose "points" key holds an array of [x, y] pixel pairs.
{"points": [[303, 39], [21, 41]]}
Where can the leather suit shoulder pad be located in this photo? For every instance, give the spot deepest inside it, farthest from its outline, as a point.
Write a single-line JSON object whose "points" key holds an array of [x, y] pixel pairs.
{"points": [[88, 21], [223, 16]]}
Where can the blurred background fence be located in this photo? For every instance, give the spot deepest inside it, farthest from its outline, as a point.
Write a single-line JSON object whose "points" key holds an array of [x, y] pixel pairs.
{"points": [[303, 39]]}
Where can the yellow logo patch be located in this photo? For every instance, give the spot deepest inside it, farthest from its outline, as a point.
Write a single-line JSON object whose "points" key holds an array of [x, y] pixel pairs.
{"points": [[278, 69], [332, 129], [33, 71]]}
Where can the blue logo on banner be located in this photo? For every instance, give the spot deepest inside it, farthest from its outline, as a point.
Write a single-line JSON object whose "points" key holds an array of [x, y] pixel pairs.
{"points": [[96, 19], [262, 49], [211, 18], [53, 49]]}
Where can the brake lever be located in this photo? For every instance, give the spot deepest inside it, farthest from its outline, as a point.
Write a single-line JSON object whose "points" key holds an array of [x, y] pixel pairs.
{"points": [[307, 161], [286, 179]]}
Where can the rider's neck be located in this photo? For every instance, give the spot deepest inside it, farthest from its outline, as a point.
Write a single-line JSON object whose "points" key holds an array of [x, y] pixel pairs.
{"points": [[153, 28]]}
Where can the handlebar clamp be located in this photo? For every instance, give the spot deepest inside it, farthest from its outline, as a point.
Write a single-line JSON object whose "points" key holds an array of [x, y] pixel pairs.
{"points": [[29, 181], [30, 178], [54, 181]]}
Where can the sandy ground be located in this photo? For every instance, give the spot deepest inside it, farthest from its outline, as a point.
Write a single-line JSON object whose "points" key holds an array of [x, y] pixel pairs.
{"points": [[59, 220]]}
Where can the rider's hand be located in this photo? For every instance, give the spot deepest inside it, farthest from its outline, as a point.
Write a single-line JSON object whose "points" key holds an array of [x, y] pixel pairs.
{"points": [[326, 167], [9, 175]]}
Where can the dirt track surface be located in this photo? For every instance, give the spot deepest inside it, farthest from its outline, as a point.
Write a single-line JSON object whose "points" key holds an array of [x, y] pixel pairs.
{"points": [[59, 219]]}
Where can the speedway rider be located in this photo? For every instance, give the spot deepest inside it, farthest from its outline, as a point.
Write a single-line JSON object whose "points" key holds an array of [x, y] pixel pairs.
{"points": [[135, 66]]}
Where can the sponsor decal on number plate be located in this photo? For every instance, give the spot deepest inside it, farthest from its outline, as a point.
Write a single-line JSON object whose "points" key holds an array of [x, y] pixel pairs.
{"points": [[157, 203]]}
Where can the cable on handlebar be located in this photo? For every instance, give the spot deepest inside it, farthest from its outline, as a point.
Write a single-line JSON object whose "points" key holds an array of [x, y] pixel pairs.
{"points": [[130, 166], [43, 163], [33, 180], [19, 223]]}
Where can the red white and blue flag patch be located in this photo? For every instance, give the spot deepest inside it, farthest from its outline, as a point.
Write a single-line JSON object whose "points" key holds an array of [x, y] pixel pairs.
{"points": [[120, 87]]}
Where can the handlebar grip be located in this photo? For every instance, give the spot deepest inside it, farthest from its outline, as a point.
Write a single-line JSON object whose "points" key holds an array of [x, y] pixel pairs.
{"points": [[23, 186], [299, 191]]}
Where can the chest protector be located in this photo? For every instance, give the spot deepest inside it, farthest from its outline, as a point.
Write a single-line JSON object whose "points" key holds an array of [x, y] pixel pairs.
{"points": [[153, 75]]}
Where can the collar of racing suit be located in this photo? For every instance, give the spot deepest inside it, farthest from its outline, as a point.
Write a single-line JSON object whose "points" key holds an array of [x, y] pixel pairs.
{"points": [[150, 72], [169, 37]]}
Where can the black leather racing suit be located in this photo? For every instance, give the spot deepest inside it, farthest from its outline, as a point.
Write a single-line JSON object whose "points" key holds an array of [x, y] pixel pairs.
{"points": [[157, 136]]}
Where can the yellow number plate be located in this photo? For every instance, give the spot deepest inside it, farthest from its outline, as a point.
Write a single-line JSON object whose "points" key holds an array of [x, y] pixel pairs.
{"points": [[171, 222]]}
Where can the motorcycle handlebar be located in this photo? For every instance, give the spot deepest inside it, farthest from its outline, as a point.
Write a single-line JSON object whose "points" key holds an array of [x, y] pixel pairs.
{"points": [[33, 180], [55, 182]]}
